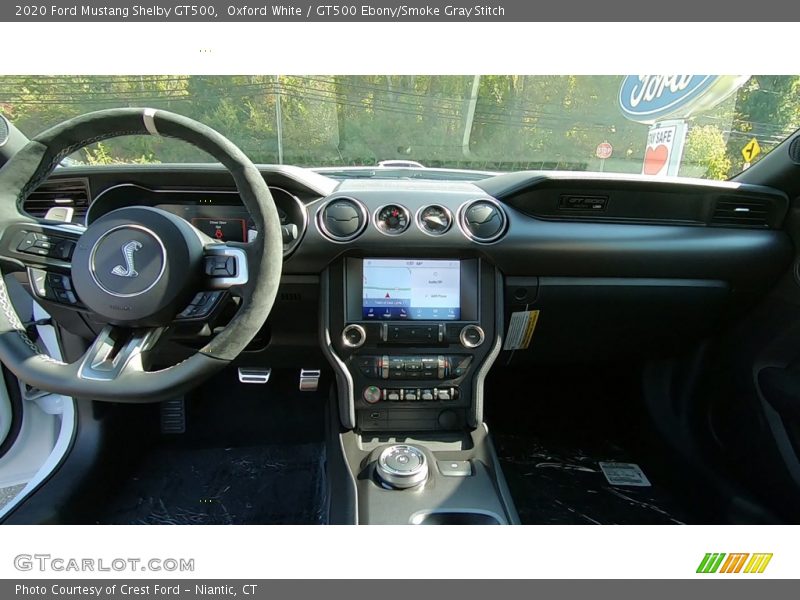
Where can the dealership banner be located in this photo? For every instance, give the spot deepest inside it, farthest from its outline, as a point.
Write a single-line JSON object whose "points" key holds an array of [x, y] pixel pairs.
{"points": [[391, 11], [399, 589]]}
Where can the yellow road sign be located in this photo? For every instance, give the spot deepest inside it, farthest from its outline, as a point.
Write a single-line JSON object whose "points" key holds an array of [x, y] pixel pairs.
{"points": [[751, 150]]}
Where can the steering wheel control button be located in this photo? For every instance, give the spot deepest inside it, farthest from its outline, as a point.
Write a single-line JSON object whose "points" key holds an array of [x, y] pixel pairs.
{"points": [[52, 286], [454, 468], [471, 336], [220, 266], [402, 466], [354, 336], [201, 305], [372, 394], [45, 245], [128, 261]]}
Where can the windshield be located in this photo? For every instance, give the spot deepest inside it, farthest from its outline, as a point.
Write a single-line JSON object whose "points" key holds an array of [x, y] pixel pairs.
{"points": [[665, 125]]}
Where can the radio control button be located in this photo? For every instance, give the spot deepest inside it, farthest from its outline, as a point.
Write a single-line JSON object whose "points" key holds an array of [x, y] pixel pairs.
{"points": [[471, 336], [393, 395], [354, 336]]}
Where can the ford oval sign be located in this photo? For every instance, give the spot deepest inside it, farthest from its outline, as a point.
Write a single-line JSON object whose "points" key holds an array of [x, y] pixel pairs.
{"points": [[651, 98]]}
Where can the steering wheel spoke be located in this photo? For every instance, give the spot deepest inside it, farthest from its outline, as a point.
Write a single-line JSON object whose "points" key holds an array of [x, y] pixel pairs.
{"points": [[117, 352]]}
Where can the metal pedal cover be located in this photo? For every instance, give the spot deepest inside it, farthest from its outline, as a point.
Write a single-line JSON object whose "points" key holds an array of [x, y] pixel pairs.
{"points": [[309, 380], [254, 375], [173, 416]]}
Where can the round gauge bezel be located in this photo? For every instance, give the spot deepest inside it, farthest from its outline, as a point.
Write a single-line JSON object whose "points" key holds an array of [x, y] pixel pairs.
{"points": [[421, 227], [377, 222]]}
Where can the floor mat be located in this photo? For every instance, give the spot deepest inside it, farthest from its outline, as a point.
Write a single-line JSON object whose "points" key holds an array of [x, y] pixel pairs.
{"points": [[278, 484], [553, 483], [552, 433]]}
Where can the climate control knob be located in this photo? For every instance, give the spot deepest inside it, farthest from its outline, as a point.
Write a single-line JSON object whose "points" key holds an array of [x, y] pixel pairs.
{"points": [[471, 336], [354, 336]]}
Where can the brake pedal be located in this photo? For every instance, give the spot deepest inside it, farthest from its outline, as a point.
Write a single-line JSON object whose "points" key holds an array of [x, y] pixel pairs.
{"points": [[254, 375], [173, 416]]}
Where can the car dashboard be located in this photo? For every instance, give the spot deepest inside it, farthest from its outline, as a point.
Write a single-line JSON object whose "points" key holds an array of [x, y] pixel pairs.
{"points": [[411, 290]]}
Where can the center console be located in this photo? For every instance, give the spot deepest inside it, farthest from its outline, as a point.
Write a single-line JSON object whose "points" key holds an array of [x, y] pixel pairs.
{"points": [[412, 340]]}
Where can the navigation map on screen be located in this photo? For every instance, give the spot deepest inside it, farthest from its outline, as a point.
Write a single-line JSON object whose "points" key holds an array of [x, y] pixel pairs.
{"points": [[411, 289]]}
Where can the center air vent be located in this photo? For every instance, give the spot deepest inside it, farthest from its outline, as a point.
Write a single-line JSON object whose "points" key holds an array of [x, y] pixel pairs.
{"points": [[342, 219], [483, 220], [70, 193], [730, 211]]}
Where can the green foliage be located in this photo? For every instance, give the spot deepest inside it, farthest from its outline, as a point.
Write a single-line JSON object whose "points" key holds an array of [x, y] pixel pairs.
{"points": [[705, 153], [99, 154], [518, 122]]}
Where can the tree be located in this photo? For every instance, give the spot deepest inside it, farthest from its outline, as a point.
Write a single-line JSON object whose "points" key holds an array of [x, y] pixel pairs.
{"points": [[705, 153]]}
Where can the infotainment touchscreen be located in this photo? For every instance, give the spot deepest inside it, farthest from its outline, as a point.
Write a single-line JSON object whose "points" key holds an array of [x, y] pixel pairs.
{"points": [[411, 289]]}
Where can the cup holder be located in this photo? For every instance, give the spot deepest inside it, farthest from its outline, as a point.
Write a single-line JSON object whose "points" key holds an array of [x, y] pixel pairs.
{"points": [[455, 518]]}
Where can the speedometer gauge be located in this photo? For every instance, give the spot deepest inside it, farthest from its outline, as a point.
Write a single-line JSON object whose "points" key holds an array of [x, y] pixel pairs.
{"points": [[392, 219], [434, 219]]}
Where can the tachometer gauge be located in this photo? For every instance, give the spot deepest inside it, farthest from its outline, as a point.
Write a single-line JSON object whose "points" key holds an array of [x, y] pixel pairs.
{"points": [[392, 219], [434, 219]]}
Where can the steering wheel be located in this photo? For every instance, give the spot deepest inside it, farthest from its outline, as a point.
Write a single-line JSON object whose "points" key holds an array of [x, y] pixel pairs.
{"points": [[135, 269]]}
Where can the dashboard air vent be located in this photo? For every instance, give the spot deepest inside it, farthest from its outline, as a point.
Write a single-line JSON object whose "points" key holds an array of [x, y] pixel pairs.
{"points": [[342, 219], [730, 211], [483, 220], [71, 193]]}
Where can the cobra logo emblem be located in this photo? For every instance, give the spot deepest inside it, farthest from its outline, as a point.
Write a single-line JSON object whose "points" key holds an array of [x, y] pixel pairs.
{"points": [[129, 270]]}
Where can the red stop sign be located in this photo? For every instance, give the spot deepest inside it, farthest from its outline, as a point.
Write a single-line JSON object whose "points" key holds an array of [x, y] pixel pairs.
{"points": [[604, 150]]}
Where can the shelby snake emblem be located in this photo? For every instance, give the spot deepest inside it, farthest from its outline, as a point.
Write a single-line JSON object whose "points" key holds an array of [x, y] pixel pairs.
{"points": [[129, 269]]}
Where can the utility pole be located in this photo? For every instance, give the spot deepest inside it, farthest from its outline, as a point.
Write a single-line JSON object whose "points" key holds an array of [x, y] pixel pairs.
{"points": [[473, 101], [279, 118]]}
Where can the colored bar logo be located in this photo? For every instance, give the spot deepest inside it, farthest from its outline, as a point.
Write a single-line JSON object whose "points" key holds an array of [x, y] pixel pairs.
{"points": [[719, 562]]}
